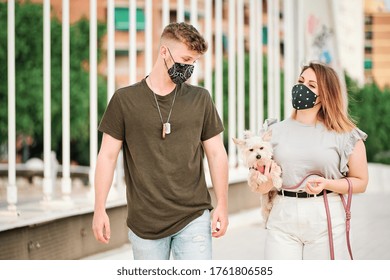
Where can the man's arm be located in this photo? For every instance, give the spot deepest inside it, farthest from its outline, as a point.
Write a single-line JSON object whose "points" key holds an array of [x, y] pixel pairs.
{"points": [[218, 165], [105, 167]]}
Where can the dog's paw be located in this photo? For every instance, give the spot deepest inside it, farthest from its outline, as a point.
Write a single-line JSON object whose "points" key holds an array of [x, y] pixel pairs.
{"points": [[252, 176], [278, 170], [262, 178], [253, 186], [277, 181]]}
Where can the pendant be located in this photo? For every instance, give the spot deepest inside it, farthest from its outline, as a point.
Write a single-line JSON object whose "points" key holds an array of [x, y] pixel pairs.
{"points": [[167, 128], [163, 131]]}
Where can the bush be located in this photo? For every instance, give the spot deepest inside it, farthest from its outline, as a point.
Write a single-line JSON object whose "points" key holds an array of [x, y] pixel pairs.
{"points": [[370, 107]]}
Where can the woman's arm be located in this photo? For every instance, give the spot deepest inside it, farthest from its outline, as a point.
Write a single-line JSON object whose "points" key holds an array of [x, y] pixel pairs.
{"points": [[358, 174]]}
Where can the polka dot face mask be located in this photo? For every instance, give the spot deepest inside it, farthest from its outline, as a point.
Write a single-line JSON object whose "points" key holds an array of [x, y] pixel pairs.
{"points": [[303, 97]]}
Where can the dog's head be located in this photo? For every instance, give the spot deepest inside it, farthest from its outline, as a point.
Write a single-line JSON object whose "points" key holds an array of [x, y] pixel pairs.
{"points": [[254, 148]]}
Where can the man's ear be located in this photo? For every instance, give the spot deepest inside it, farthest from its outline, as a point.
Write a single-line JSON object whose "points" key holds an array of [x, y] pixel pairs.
{"points": [[163, 51], [267, 135]]}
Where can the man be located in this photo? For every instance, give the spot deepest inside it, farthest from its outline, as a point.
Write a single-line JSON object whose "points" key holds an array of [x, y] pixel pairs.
{"points": [[164, 127]]}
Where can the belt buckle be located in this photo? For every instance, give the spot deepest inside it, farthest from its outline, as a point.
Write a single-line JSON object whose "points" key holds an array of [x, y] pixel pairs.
{"points": [[297, 193], [302, 192]]}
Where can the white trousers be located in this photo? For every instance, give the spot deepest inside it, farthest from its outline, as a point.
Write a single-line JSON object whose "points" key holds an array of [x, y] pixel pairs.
{"points": [[297, 229]]}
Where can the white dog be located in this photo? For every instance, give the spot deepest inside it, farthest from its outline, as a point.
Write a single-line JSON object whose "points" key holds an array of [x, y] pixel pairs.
{"points": [[256, 152]]}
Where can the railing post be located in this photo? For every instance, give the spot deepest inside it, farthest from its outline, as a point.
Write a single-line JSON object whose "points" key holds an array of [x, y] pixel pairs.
{"points": [[232, 83], [111, 73], [133, 41], [240, 69], [218, 93], [47, 180], [148, 36], [180, 11], [273, 51], [12, 192], [259, 64], [194, 22], [208, 71], [50, 160], [93, 114], [66, 183]]}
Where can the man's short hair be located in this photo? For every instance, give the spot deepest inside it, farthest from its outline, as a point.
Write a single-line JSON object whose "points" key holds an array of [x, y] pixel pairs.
{"points": [[187, 34]]}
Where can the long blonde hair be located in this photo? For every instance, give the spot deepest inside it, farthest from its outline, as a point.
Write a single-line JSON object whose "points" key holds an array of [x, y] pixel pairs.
{"points": [[333, 112]]}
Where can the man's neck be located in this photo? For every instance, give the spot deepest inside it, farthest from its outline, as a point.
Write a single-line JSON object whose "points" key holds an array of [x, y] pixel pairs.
{"points": [[160, 84]]}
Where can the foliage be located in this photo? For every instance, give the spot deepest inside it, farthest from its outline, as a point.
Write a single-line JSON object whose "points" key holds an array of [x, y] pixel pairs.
{"points": [[29, 81], [370, 107]]}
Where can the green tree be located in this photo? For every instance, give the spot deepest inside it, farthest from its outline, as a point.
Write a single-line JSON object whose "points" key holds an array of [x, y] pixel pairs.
{"points": [[370, 107], [29, 81]]}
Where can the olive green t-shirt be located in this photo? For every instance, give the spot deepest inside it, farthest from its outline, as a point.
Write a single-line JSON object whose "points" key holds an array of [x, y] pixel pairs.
{"points": [[165, 180]]}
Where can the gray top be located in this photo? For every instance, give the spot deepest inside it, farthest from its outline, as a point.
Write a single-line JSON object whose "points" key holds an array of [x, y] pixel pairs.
{"points": [[302, 149]]}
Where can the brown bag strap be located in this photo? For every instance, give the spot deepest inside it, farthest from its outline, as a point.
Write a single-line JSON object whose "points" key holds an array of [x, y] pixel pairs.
{"points": [[347, 208]]}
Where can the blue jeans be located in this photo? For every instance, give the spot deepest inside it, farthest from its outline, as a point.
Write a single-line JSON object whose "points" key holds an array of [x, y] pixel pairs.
{"points": [[191, 243]]}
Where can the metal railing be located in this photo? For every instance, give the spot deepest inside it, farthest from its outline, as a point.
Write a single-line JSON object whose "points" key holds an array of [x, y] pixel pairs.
{"points": [[240, 21]]}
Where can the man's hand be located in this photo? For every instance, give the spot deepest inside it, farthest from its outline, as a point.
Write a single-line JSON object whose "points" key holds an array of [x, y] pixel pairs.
{"points": [[220, 222], [101, 227]]}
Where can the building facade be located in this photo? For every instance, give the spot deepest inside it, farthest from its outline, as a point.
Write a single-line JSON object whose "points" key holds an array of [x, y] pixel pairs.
{"points": [[377, 42]]}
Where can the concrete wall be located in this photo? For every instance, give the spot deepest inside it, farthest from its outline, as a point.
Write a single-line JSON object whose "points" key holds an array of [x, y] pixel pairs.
{"points": [[72, 237], [379, 178]]}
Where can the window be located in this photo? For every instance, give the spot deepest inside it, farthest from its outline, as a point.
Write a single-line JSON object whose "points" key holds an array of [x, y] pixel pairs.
{"points": [[368, 35], [265, 35], [368, 48], [367, 63], [368, 19], [122, 21]]}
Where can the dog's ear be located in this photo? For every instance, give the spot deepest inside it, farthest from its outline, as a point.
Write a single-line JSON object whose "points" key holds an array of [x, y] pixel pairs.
{"points": [[247, 134], [267, 135], [239, 142]]}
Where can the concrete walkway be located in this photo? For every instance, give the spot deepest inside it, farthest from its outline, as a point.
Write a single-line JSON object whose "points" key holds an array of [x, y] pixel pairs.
{"points": [[244, 240]]}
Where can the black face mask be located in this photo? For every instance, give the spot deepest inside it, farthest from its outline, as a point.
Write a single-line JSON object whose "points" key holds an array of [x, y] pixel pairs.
{"points": [[179, 72], [303, 97]]}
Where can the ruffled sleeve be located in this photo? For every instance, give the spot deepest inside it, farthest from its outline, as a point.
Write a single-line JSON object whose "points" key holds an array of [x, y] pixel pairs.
{"points": [[267, 123], [349, 144]]}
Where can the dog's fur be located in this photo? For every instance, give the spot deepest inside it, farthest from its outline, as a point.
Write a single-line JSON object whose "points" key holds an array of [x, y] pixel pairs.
{"points": [[257, 151]]}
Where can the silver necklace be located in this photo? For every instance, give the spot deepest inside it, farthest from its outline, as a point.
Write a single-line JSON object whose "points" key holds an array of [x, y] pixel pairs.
{"points": [[166, 127]]}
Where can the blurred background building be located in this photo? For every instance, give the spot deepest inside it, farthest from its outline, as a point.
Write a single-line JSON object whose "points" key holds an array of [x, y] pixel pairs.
{"points": [[349, 26], [377, 42]]}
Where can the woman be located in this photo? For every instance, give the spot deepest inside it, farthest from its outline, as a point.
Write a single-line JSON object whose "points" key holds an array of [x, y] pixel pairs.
{"points": [[316, 148]]}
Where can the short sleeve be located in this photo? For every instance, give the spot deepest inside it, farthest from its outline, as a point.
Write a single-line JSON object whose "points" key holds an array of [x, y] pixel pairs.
{"points": [[212, 123], [351, 139], [266, 125], [112, 122]]}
